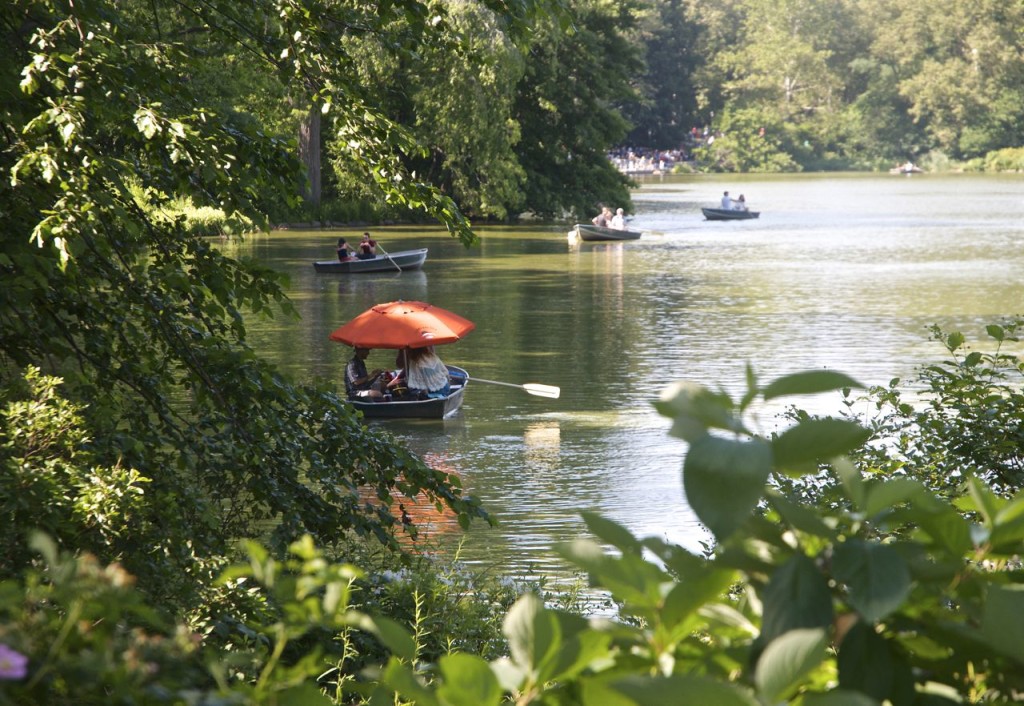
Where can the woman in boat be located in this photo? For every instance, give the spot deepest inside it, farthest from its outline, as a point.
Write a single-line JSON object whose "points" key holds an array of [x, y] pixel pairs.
{"points": [[740, 204], [343, 253], [619, 220], [423, 373]]}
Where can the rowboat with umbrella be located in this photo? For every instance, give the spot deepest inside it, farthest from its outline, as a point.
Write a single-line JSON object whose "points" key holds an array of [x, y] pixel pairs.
{"points": [[409, 326]]}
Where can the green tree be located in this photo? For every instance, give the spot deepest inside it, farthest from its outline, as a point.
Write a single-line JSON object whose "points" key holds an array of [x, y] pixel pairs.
{"points": [[577, 75], [144, 322], [959, 70], [666, 93]]}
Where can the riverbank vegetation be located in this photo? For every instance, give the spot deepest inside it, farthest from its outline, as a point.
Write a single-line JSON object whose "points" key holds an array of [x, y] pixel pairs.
{"points": [[143, 438]]}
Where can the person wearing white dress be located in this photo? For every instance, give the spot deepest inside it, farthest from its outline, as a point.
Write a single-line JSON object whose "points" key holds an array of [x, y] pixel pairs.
{"points": [[426, 372], [619, 220]]}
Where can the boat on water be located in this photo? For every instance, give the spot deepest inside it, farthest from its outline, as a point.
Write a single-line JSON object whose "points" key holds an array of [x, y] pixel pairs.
{"points": [[728, 214], [592, 233], [391, 262], [426, 408]]}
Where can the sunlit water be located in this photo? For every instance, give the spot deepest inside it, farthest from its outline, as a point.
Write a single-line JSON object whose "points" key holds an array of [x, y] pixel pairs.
{"points": [[839, 272]]}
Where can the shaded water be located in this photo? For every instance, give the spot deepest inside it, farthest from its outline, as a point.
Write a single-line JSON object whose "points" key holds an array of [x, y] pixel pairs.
{"points": [[839, 272]]}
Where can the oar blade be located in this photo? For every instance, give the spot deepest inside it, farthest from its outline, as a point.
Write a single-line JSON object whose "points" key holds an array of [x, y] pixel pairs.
{"points": [[543, 390]]}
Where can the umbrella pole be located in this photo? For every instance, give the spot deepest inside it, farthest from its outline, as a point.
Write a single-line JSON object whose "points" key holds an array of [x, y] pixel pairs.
{"points": [[390, 258]]}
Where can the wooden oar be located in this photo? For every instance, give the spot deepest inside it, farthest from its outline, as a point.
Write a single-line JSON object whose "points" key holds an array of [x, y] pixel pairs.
{"points": [[389, 257], [531, 387]]}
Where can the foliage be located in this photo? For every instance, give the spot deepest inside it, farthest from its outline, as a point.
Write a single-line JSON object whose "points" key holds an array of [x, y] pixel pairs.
{"points": [[892, 596], [899, 599], [666, 100], [90, 637], [961, 417], [747, 141], [576, 75], [143, 320]]}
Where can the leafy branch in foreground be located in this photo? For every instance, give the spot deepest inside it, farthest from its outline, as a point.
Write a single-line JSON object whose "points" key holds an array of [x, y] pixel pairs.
{"points": [[899, 599]]}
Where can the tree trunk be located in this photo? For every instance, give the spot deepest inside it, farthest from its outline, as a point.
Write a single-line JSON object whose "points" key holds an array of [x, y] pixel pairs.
{"points": [[309, 153]]}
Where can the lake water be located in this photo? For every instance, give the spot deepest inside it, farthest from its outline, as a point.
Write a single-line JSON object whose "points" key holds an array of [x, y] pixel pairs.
{"points": [[839, 272]]}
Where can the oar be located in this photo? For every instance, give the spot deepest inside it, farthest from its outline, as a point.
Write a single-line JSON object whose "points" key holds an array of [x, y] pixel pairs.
{"points": [[531, 387], [389, 257]]}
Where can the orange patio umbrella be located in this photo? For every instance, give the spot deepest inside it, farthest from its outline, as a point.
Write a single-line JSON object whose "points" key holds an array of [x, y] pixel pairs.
{"points": [[403, 325]]}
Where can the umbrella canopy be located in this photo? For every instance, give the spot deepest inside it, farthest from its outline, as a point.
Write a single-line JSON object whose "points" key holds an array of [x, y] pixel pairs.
{"points": [[403, 325]]}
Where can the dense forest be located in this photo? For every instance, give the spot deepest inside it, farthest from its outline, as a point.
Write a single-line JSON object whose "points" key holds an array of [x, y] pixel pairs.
{"points": [[143, 441]]}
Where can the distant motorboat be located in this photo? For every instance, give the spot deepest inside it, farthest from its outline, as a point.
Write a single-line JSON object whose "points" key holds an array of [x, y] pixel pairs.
{"points": [[728, 214]]}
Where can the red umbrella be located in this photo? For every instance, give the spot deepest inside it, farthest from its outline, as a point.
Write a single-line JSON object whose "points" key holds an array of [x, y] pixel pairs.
{"points": [[403, 325]]}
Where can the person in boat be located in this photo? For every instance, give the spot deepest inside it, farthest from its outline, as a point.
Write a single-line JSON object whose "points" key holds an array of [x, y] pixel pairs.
{"points": [[603, 219], [422, 373], [367, 249], [726, 201], [343, 251], [619, 220], [740, 204], [358, 382]]}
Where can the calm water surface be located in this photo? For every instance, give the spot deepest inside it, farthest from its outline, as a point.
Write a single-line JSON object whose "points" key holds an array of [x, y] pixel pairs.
{"points": [[839, 272]]}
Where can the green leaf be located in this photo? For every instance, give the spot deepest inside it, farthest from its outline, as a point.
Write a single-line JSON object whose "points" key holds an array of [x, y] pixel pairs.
{"points": [[1002, 622], [694, 591], [787, 660], [809, 383], [391, 634], [398, 677], [695, 409], [837, 697], [797, 596], [302, 695], [801, 517], [724, 479], [531, 633], [577, 654], [611, 532], [683, 690], [801, 448], [468, 681], [995, 331], [868, 664], [877, 577], [888, 494]]}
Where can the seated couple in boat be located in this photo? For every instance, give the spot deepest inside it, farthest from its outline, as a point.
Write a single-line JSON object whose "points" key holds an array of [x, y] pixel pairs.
{"points": [[740, 204], [365, 250], [419, 374], [605, 219]]}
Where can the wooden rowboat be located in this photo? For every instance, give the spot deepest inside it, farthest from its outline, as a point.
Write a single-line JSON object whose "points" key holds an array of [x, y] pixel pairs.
{"points": [[592, 233], [430, 408], [727, 214], [393, 262]]}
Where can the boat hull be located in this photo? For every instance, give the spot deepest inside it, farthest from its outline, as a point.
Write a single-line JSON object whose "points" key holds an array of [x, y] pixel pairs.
{"points": [[592, 233], [722, 214], [405, 259], [432, 408]]}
